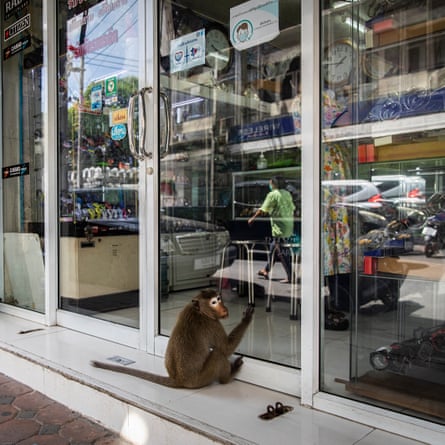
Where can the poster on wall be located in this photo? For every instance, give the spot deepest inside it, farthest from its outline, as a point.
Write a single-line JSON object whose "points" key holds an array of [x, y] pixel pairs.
{"points": [[187, 51], [254, 22]]}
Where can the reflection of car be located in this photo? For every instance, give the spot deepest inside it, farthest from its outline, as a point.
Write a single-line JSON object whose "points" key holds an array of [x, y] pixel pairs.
{"points": [[399, 186], [404, 190], [425, 349], [352, 190], [193, 251]]}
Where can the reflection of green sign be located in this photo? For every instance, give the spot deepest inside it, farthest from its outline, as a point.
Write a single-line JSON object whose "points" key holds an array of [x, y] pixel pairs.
{"points": [[111, 86]]}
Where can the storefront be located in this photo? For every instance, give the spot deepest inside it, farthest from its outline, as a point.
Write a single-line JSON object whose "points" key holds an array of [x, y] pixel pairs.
{"points": [[139, 137]]}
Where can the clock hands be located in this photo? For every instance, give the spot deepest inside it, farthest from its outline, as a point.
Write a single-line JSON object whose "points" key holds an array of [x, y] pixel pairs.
{"points": [[335, 63]]}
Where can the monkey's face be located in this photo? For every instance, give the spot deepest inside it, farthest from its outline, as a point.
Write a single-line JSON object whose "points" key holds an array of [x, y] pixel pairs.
{"points": [[218, 308]]}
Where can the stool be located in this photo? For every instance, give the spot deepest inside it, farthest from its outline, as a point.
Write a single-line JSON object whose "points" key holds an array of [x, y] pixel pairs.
{"points": [[246, 249], [294, 249]]}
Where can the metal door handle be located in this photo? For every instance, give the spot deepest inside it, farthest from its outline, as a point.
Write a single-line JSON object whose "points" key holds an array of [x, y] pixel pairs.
{"points": [[164, 151], [142, 144], [130, 116]]}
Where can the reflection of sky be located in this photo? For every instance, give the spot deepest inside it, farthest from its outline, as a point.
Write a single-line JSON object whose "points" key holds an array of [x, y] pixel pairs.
{"points": [[113, 59]]}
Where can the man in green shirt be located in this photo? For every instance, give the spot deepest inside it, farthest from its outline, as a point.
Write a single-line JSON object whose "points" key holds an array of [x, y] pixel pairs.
{"points": [[280, 207]]}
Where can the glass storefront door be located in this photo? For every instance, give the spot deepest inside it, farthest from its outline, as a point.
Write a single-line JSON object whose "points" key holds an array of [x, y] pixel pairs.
{"points": [[23, 230], [99, 71], [231, 73]]}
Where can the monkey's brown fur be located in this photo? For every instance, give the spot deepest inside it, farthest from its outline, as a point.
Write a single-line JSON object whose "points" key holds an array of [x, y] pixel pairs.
{"points": [[199, 348]]}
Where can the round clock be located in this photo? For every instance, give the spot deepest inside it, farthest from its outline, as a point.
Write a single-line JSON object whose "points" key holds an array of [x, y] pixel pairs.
{"points": [[218, 49], [338, 63], [376, 66]]}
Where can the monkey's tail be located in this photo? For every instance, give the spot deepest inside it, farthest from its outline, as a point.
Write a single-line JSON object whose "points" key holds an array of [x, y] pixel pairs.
{"points": [[155, 378]]}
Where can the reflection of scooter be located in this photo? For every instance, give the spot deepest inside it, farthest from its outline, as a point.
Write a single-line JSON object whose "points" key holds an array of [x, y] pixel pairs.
{"points": [[426, 349], [434, 233]]}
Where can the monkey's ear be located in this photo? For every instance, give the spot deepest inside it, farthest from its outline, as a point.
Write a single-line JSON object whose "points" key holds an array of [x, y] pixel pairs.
{"points": [[195, 303]]}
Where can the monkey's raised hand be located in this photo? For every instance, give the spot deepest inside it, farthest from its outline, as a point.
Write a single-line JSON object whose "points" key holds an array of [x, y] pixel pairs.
{"points": [[248, 313]]}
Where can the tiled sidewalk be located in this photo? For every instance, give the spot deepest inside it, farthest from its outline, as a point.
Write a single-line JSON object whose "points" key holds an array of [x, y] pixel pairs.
{"points": [[28, 417]]}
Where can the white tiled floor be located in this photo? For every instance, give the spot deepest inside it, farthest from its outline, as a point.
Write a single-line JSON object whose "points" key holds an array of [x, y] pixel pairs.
{"points": [[229, 412]]}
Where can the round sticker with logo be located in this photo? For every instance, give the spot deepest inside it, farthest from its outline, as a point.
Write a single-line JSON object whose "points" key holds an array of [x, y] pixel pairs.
{"points": [[118, 132]]}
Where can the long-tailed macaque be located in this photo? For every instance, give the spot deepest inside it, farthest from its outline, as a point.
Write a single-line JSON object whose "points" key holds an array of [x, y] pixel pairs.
{"points": [[199, 348]]}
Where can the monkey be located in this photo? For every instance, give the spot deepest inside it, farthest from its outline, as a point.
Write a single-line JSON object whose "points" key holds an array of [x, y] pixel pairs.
{"points": [[199, 349]]}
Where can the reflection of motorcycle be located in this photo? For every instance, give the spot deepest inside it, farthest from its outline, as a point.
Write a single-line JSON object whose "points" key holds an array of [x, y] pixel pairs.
{"points": [[434, 233], [426, 349]]}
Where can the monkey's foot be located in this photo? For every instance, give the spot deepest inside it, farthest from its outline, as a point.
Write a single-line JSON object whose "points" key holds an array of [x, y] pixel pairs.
{"points": [[236, 365]]}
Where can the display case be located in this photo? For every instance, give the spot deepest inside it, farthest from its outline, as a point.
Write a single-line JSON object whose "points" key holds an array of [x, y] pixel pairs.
{"points": [[249, 189]]}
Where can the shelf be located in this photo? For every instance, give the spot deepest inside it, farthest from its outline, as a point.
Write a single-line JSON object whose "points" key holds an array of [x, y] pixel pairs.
{"points": [[406, 33], [276, 143], [400, 390], [126, 187], [393, 127], [198, 88]]}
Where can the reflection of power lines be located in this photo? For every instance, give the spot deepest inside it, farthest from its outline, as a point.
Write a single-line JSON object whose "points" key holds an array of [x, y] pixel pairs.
{"points": [[95, 57], [119, 19], [115, 61], [101, 27]]}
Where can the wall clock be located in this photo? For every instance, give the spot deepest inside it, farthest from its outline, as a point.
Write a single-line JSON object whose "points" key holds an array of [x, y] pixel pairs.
{"points": [[218, 49], [376, 66], [337, 64]]}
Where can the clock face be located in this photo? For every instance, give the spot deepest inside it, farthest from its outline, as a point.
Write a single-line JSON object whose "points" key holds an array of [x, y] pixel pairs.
{"points": [[377, 67], [338, 63], [218, 50]]}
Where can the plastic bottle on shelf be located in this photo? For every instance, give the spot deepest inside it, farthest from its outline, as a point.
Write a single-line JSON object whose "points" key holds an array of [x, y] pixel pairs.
{"points": [[261, 163]]}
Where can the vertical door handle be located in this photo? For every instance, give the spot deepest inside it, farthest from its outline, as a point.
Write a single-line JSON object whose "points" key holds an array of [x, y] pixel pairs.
{"points": [[136, 154], [142, 142], [165, 148]]}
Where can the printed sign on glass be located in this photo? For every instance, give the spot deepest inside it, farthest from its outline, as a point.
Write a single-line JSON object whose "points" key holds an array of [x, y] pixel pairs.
{"points": [[253, 23], [17, 47], [13, 171], [118, 132], [17, 27], [187, 51]]}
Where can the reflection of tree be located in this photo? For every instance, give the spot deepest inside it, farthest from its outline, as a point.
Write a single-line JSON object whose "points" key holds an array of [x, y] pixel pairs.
{"points": [[126, 86], [94, 122]]}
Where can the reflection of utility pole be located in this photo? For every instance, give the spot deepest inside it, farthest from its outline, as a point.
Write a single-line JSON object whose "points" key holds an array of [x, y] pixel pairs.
{"points": [[83, 31]]}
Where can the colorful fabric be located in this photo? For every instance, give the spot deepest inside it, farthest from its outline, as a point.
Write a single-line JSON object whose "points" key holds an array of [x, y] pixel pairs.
{"points": [[336, 242]]}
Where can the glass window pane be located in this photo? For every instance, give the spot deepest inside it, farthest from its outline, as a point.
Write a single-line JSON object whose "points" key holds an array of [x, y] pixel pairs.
{"points": [[22, 159], [98, 175], [235, 124], [383, 191]]}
